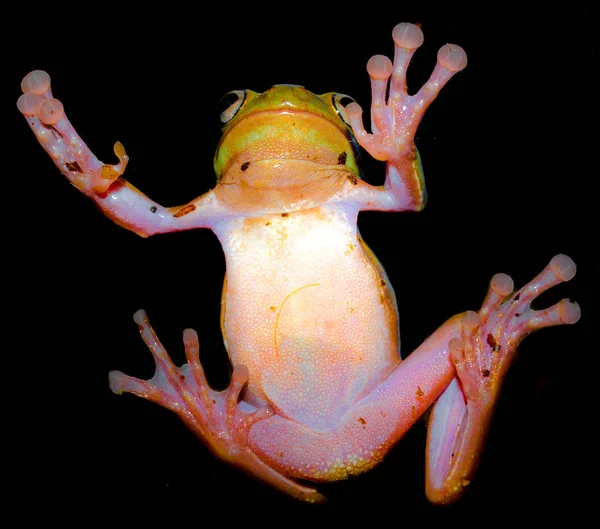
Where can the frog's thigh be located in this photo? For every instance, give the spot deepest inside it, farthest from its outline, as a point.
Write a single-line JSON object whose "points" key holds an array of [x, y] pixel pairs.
{"points": [[367, 431], [299, 452]]}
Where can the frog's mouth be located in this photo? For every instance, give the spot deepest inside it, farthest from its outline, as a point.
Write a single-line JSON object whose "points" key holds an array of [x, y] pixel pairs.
{"points": [[285, 135], [280, 185]]}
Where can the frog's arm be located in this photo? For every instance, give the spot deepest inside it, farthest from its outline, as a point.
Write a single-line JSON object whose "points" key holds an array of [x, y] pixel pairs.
{"points": [[394, 122], [116, 197]]}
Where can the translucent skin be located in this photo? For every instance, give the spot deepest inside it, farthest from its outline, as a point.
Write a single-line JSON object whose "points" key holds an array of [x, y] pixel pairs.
{"points": [[308, 316]]}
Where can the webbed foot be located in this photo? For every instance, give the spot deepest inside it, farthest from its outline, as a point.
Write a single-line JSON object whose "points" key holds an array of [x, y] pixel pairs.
{"points": [[482, 355], [490, 338], [215, 417]]}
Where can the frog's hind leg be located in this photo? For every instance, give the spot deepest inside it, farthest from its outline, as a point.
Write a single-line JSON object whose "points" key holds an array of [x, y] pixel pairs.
{"points": [[215, 417], [482, 355], [461, 365]]}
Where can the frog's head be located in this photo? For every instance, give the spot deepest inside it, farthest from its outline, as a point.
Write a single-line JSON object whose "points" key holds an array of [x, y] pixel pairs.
{"points": [[285, 123]]}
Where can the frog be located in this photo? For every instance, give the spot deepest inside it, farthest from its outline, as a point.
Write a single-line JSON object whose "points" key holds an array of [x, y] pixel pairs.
{"points": [[309, 318]]}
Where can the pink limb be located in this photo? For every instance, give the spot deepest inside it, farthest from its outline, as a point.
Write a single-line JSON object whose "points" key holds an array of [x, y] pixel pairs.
{"points": [[458, 365], [46, 117], [462, 365], [482, 355], [214, 417], [117, 198], [394, 120]]}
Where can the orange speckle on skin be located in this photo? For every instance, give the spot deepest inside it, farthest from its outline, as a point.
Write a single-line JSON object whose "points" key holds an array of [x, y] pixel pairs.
{"points": [[361, 420], [109, 173], [419, 392], [184, 211], [350, 249]]}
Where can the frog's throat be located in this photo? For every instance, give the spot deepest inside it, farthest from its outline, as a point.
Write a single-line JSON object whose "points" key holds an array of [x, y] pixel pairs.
{"points": [[281, 185]]}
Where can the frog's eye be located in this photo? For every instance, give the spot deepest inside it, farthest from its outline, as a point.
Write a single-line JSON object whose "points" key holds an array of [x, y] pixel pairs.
{"points": [[340, 102], [235, 100]]}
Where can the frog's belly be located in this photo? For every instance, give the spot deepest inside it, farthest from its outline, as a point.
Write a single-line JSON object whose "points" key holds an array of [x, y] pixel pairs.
{"points": [[310, 311]]}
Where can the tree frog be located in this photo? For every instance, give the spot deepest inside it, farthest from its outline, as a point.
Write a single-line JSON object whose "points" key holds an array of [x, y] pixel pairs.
{"points": [[318, 391]]}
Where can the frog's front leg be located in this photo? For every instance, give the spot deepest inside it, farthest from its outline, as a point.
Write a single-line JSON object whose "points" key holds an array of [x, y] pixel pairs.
{"points": [[395, 118], [118, 199], [215, 417]]}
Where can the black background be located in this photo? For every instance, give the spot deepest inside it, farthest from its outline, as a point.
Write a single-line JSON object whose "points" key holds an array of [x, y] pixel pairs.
{"points": [[509, 153]]}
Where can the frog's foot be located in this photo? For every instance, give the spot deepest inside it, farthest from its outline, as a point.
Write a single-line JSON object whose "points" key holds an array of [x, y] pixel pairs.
{"points": [[214, 417], [488, 341], [490, 338], [47, 119], [394, 120]]}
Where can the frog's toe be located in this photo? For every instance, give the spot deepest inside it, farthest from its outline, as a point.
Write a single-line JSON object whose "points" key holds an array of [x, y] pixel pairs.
{"points": [[37, 99], [563, 267], [354, 112], [407, 35], [512, 317], [564, 312], [407, 38], [475, 371], [50, 111], [470, 320], [568, 311], [36, 82], [379, 67], [452, 57], [29, 104], [501, 286], [462, 350], [456, 350], [368, 141]]}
